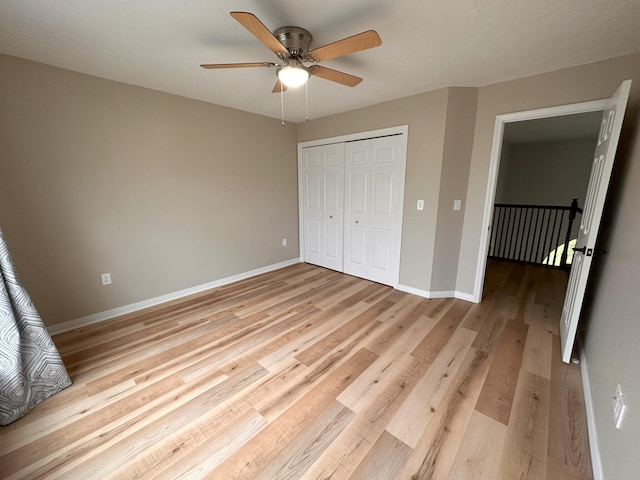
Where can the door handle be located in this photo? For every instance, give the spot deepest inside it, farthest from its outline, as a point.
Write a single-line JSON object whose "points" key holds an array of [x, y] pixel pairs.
{"points": [[584, 250]]}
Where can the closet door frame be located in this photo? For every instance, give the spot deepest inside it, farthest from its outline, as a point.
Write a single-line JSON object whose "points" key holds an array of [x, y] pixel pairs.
{"points": [[402, 130]]}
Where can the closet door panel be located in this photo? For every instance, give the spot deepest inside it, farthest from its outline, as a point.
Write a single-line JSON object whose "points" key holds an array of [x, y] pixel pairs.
{"points": [[322, 190], [373, 170]]}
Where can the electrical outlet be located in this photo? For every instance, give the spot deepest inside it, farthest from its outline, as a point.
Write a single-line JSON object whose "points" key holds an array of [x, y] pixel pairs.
{"points": [[284, 242], [619, 407], [106, 278]]}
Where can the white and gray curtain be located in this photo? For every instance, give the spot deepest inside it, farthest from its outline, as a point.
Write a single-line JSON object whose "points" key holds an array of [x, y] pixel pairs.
{"points": [[31, 369]]}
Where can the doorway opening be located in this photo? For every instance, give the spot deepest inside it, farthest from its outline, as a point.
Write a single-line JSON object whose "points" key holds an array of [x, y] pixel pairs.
{"points": [[545, 120], [544, 171]]}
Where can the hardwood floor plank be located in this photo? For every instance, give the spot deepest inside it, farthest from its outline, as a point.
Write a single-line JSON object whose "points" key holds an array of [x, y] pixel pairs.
{"points": [[343, 456], [403, 305], [362, 295], [352, 286], [478, 456], [326, 322], [197, 462], [496, 397], [389, 333], [536, 358], [568, 436], [77, 431], [491, 329], [435, 452], [496, 275], [248, 460], [558, 469], [524, 453], [393, 358], [440, 334], [329, 342], [306, 373], [295, 459], [477, 315], [384, 460], [427, 396]]}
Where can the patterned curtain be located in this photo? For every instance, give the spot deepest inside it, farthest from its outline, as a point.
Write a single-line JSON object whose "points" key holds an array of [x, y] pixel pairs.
{"points": [[31, 369]]}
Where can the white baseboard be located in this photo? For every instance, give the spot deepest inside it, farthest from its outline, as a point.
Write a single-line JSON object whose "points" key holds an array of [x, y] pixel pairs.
{"points": [[596, 463], [414, 291], [436, 294], [467, 297], [116, 312]]}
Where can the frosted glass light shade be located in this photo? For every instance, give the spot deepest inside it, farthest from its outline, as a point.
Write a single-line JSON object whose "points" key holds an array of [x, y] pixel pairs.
{"points": [[293, 76]]}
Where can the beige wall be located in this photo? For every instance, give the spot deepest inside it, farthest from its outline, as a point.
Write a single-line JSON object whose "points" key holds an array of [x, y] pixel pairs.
{"points": [[426, 116], [163, 192], [456, 158], [545, 173]]}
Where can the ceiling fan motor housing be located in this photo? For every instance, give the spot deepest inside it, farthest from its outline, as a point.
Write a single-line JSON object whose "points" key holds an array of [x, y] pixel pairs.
{"points": [[295, 39]]}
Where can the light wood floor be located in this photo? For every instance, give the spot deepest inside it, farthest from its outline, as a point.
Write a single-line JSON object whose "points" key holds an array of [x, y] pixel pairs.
{"points": [[308, 373]]}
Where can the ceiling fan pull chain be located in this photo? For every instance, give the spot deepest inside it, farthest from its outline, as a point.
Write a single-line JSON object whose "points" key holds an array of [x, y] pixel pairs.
{"points": [[282, 103], [306, 101]]}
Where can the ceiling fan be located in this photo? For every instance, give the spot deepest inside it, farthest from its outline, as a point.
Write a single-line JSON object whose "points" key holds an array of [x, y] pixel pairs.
{"points": [[291, 45]]}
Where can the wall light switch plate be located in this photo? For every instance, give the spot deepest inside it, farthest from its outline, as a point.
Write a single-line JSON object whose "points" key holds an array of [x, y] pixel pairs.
{"points": [[105, 278], [420, 205], [457, 204]]}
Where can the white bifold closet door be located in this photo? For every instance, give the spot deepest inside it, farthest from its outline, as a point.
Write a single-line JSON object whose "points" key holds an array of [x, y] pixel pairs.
{"points": [[322, 177], [352, 207], [374, 174]]}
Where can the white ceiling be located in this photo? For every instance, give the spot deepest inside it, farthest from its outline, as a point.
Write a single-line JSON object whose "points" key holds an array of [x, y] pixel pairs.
{"points": [[426, 45]]}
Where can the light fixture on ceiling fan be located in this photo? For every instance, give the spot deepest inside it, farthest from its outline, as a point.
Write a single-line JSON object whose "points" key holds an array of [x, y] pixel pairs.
{"points": [[293, 73]]}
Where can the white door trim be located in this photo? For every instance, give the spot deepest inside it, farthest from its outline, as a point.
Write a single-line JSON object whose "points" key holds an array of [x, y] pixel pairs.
{"points": [[383, 132], [494, 167]]}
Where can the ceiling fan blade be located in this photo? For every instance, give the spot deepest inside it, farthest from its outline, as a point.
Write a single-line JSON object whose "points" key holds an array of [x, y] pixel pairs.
{"points": [[279, 87], [237, 65], [262, 33], [356, 43], [335, 75]]}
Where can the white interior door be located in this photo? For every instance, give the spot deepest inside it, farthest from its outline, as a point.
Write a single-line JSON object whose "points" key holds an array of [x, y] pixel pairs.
{"points": [[374, 182], [596, 193], [322, 190]]}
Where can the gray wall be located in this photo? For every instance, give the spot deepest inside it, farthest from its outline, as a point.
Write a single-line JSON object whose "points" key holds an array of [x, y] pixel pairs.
{"points": [[163, 192], [545, 173]]}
